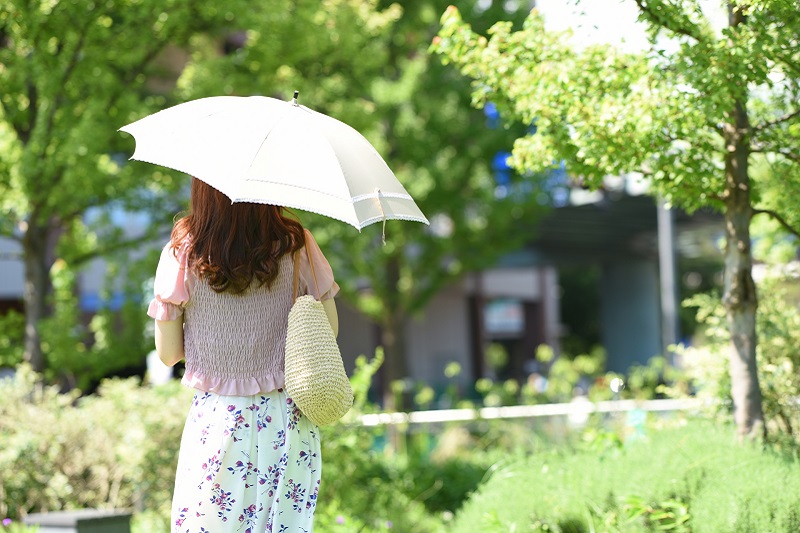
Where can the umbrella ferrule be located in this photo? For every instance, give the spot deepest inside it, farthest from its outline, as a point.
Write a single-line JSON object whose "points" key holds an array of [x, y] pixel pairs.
{"points": [[294, 98]]}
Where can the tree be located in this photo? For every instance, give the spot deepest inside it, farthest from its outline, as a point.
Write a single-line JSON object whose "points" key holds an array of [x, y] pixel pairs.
{"points": [[74, 72], [692, 112], [366, 63]]}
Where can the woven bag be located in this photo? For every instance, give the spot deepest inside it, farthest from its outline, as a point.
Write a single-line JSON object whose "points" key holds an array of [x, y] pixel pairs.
{"points": [[315, 376]]}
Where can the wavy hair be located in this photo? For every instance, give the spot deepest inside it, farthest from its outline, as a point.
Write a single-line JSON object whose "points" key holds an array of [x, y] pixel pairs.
{"points": [[230, 245]]}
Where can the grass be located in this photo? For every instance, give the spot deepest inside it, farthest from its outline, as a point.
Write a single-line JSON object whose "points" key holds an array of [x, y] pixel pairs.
{"points": [[691, 478]]}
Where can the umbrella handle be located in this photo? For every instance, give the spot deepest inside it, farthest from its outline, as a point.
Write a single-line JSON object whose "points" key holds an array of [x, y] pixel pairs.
{"points": [[380, 206]]}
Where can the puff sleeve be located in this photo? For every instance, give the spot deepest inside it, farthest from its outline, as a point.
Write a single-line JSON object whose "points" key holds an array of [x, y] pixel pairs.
{"points": [[325, 286], [170, 287]]}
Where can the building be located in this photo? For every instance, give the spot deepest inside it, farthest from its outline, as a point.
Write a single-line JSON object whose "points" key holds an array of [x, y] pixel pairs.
{"points": [[516, 304]]}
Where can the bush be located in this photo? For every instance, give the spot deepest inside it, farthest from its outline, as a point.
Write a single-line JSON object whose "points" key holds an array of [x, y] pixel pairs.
{"points": [[118, 449], [778, 328], [693, 478], [115, 449]]}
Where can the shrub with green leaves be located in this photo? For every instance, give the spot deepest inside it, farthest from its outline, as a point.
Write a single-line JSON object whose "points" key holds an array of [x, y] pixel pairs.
{"points": [[684, 478], [118, 448], [778, 326], [115, 449]]}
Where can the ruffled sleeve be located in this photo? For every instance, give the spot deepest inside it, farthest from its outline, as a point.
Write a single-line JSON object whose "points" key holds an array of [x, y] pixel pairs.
{"points": [[325, 286], [170, 289]]}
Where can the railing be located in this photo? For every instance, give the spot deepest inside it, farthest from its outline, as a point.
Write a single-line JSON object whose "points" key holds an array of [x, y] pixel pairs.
{"points": [[574, 408]]}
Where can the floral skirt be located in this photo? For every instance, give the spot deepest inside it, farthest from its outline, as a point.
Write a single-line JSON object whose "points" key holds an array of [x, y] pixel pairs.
{"points": [[249, 464]]}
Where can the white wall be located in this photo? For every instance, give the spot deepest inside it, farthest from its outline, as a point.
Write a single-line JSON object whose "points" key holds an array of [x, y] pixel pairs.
{"points": [[440, 336]]}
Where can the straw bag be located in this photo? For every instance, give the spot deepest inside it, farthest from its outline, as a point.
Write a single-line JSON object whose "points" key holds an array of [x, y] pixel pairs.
{"points": [[315, 376]]}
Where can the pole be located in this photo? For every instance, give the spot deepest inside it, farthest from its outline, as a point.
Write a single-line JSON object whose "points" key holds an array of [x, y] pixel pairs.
{"points": [[667, 276]]}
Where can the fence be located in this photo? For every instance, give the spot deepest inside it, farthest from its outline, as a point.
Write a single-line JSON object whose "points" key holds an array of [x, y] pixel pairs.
{"points": [[571, 409]]}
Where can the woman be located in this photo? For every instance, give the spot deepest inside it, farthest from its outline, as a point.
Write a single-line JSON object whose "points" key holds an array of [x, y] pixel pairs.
{"points": [[249, 460]]}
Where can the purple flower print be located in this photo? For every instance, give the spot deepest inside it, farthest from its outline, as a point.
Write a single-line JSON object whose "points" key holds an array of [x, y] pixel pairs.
{"points": [[246, 469], [200, 398], [234, 421], [204, 434], [249, 517], [307, 456], [211, 468], [311, 503], [264, 418], [223, 500], [296, 494], [280, 442], [274, 474], [294, 414], [178, 522]]}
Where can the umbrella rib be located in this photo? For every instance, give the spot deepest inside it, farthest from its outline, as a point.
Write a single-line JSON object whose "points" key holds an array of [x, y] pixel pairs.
{"points": [[382, 194], [264, 140]]}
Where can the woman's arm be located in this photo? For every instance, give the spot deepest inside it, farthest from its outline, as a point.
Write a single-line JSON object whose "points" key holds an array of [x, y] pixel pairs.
{"points": [[333, 317], [169, 340]]}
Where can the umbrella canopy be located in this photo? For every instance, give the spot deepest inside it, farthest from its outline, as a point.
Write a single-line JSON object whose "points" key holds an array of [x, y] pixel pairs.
{"points": [[264, 150]]}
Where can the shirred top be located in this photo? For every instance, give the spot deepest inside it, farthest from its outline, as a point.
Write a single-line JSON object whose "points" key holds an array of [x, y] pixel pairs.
{"points": [[234, 343]]}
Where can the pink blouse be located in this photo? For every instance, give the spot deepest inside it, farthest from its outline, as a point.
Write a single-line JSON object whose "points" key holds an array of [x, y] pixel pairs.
{"points": [[234, 344], [174, 282]]}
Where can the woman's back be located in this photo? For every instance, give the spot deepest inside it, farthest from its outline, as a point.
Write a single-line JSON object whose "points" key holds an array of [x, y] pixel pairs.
{"points": [[234, 343]]}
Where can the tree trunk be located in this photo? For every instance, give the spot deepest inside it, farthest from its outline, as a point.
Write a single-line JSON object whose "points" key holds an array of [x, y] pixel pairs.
{"points": [[36, 247], [395, 363], [393, 336], [740, 297]]}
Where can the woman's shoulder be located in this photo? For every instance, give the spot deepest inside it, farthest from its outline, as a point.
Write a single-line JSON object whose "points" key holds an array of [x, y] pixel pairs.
{"points": [[311, 241]]}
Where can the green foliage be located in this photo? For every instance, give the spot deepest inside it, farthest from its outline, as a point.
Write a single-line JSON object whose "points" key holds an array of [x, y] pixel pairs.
{"points": [[365, 62], [778, 360], [9, 526], [669, 515], [116, 449], [12, 328], [694, 484], [691, 113], [74, 72], [568, 375], [659, 111], [81, 352]]}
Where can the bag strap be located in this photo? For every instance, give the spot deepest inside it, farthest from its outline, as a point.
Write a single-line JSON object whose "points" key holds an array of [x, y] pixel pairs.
{"points": [[297, 271]]}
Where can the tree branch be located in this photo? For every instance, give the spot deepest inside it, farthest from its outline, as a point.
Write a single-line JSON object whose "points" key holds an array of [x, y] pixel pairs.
{"points": [[758, 148], [119, 245], [789, 155], [782, 221], [668, 23], [73, 62], [785, 118]]}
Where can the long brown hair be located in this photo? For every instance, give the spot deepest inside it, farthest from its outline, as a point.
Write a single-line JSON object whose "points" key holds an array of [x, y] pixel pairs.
{"points": [[231, 244]]}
